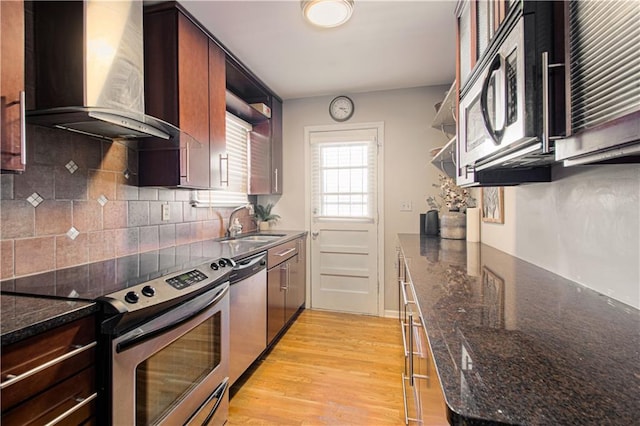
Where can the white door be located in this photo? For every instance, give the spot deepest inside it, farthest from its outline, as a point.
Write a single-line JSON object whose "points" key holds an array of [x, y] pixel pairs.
{"points": [[344, 219]]}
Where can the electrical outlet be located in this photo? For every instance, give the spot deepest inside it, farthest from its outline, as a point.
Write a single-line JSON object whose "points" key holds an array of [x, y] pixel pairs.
{"points": [[406, 206], [165, 212]]}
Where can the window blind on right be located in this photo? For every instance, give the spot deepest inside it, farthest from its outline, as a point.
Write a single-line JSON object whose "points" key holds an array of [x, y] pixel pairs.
{"points": [[605, 61]]}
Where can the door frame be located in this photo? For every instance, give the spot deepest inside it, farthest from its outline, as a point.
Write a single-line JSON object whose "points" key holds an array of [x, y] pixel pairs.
{"points": [[379, 126]]}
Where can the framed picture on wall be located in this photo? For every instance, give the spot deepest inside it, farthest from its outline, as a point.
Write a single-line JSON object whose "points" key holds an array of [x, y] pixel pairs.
{"points": [[492, 204]]}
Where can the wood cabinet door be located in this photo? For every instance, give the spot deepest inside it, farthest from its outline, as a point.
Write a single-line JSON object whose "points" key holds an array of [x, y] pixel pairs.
{"points": [[193, 103], [292, 301], [276, 146], [275, 301], [12, 85], [433, 410], [217, 114], [296, 288], [54, 373], [466, 40]]}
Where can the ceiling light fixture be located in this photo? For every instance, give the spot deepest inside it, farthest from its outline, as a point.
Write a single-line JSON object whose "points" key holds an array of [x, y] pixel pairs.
{"points": [[327, 13]]}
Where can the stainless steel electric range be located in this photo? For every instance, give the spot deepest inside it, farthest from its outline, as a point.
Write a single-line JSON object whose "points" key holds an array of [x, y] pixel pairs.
{"points": [[164, 326]]}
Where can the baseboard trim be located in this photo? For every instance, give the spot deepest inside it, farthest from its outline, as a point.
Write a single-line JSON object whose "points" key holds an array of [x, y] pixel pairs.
{"points": [[391, 314]]}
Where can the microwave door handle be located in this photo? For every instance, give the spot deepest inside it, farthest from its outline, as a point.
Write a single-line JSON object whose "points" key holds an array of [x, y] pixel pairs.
{"points": [[496, 134], [546, 132]]}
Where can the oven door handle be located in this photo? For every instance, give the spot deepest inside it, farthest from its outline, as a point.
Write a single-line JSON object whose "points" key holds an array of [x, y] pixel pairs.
{"points": [[496, 134], [172, 318]]}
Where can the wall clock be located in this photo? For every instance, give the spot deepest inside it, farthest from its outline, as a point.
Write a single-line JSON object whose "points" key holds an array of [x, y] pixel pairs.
{"points": [[341, 108]]}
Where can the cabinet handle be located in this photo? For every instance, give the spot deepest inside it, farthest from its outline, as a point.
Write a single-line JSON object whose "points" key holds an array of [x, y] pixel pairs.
{"points": [[286, 252], [276, 173], [188, 155], [81, 402], [284, 278], [411, 349], [546, 137], [225, 158], [23, 128], [403, 289], [403, 327], [404, 397], [41, 367]]}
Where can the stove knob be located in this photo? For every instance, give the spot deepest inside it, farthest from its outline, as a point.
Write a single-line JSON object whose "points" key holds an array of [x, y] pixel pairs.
{"points": [[214, 266], [131, 297], [148, 291], [222, 263]]}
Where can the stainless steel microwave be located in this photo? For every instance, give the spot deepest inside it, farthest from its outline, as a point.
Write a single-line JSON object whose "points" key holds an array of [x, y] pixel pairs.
{"points": [[513, 102]]}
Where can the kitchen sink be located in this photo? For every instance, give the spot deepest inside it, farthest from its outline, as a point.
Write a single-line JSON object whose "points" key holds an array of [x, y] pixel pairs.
{"points": [[253, 238], [264, 237]]}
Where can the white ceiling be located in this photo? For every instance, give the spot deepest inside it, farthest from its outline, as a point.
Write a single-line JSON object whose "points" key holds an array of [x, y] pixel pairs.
{"points": [[385, 45]]}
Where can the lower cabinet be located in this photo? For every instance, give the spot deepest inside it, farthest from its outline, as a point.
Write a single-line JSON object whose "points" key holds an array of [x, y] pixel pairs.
{"points": [[51, 378], [285, 285], [423, 399]]}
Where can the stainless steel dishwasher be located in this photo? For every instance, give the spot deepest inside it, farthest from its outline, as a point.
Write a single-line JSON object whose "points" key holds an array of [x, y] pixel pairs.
{"points": [[248, 313]]}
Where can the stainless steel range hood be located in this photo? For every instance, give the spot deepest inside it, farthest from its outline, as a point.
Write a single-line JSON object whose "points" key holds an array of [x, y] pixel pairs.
{"points": [[89, 70]]}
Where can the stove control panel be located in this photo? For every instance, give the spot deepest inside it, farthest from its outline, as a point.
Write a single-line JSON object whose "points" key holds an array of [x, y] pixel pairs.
{"points": [[185, 280], [155, 292]]}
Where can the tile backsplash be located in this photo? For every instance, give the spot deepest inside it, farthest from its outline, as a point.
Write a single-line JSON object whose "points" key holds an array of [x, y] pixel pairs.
{"points": [[78, 203]]}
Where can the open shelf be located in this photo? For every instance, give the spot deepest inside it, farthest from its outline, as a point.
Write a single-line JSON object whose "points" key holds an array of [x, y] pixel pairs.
{"points": [[243, 110], [445, 117], [444, 160]]}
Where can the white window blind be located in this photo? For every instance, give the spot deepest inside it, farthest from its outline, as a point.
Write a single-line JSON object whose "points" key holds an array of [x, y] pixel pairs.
{"points": [[344, 174], [237, 146], [235, 194]]}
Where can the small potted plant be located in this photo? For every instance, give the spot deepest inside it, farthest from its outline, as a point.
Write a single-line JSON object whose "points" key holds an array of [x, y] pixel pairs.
{"points": [[263, 216]]}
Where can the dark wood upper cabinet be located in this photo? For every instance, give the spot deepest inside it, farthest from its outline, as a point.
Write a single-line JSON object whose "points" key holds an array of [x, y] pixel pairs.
{"points": [[191, 81], [478, 21], [176, 54], [12, 86], [217, 112], [276, 146], [265, 171]]}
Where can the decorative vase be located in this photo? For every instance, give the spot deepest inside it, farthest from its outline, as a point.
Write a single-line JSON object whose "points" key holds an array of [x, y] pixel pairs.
{"points": [[265, 226], [453, 225]]}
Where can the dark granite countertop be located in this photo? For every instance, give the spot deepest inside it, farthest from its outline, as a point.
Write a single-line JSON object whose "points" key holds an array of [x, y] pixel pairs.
{"points": [[67, 294], [25, 316], [514, 343]]}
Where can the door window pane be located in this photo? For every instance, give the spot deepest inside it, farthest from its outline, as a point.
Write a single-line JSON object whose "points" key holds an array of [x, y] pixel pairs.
{"points": [[344, 179]]}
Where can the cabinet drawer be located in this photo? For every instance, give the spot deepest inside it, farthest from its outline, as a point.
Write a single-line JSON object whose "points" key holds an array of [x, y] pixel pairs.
{"points": [[279, 254], [69, 402], [37, 363]]}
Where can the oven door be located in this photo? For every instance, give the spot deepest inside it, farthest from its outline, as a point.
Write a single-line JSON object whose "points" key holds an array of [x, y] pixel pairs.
{"points": [[173, 369], [494, 120]]}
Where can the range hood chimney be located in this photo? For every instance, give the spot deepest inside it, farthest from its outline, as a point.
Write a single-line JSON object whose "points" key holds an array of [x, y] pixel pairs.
{"points": [[90, 70]]}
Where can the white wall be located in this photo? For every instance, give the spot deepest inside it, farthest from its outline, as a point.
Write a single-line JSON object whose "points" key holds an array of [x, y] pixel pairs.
{"points": [[584, 226], [407, 115]]}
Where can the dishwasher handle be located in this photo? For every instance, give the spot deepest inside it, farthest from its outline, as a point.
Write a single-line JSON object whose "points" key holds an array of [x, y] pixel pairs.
{"points": [[247, 267]]}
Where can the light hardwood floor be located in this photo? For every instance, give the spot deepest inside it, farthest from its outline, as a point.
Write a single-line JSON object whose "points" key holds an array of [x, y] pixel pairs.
{"points": [[329, 368]]}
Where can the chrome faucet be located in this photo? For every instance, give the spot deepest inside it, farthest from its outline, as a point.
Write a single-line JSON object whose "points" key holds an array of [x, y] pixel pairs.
{"points": [[235, 227]]}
